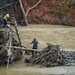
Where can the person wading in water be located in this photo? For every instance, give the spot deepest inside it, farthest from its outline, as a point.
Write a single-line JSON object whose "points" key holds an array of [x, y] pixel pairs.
{"points": [[4, 20], [35, 46]]}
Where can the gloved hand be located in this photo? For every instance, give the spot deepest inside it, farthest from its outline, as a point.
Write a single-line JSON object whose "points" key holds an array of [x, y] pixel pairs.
{"points": [[8, 25]]}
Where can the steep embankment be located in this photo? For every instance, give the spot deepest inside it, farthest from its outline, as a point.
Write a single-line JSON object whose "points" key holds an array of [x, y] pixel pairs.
{"points": [[47, 13]]}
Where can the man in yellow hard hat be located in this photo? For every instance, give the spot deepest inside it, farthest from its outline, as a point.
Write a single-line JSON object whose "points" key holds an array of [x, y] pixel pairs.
{"points": [[4, 20]]}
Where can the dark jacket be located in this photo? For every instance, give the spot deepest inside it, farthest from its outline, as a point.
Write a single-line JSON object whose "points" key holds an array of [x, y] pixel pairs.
{"points": [[35, 44]]}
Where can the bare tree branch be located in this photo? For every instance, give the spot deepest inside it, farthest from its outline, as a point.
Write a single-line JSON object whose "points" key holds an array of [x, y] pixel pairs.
{"points": [[33, 7], [26, 13], [20, 1]]}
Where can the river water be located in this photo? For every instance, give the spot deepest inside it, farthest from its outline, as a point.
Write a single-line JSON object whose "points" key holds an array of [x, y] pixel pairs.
{"points": [[53, 34]]}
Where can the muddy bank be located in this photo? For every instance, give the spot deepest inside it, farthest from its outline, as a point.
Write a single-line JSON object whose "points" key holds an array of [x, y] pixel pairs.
{"points": [[51, 12]]}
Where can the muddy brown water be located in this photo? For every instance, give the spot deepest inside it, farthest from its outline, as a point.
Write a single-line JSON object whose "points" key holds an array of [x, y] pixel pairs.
{"points": [[53, 34]]}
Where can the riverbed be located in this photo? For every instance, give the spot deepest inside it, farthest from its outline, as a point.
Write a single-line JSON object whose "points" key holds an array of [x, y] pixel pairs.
{"points": [[54, 34]]}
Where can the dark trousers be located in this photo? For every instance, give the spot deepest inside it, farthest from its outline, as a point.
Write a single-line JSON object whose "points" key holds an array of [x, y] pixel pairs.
{"points": [[3, 21], [34, 53]]}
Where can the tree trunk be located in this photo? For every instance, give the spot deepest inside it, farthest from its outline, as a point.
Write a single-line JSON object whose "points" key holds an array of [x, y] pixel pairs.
{"points": [[25, 18], [26, 13]]}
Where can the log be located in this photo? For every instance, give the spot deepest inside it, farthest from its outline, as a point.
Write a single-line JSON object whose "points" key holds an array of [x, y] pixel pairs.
{"points": [[25, 49]]}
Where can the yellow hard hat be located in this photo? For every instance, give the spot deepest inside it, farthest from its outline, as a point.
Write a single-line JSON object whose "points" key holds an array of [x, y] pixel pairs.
{"points": [[7, 15]]}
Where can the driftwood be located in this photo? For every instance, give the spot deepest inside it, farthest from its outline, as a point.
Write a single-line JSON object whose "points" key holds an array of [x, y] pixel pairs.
{"points": [[7, 40], [49, 56], [52, 55]]}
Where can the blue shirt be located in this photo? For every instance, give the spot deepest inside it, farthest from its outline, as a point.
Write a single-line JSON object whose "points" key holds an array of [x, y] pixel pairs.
{"points": [[35, 44]]}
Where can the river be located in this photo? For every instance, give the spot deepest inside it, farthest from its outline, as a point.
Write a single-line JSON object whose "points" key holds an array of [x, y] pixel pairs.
{"points": [[54, 34]]}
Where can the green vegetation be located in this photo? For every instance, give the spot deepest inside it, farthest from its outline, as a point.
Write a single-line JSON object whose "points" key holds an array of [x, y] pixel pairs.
{"points": [[65, 4], [3, 2]]}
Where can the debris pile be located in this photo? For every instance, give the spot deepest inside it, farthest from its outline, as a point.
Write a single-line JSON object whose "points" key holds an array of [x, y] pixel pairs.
{"points": [[6, 42], [52, 55], [49, 56]]}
